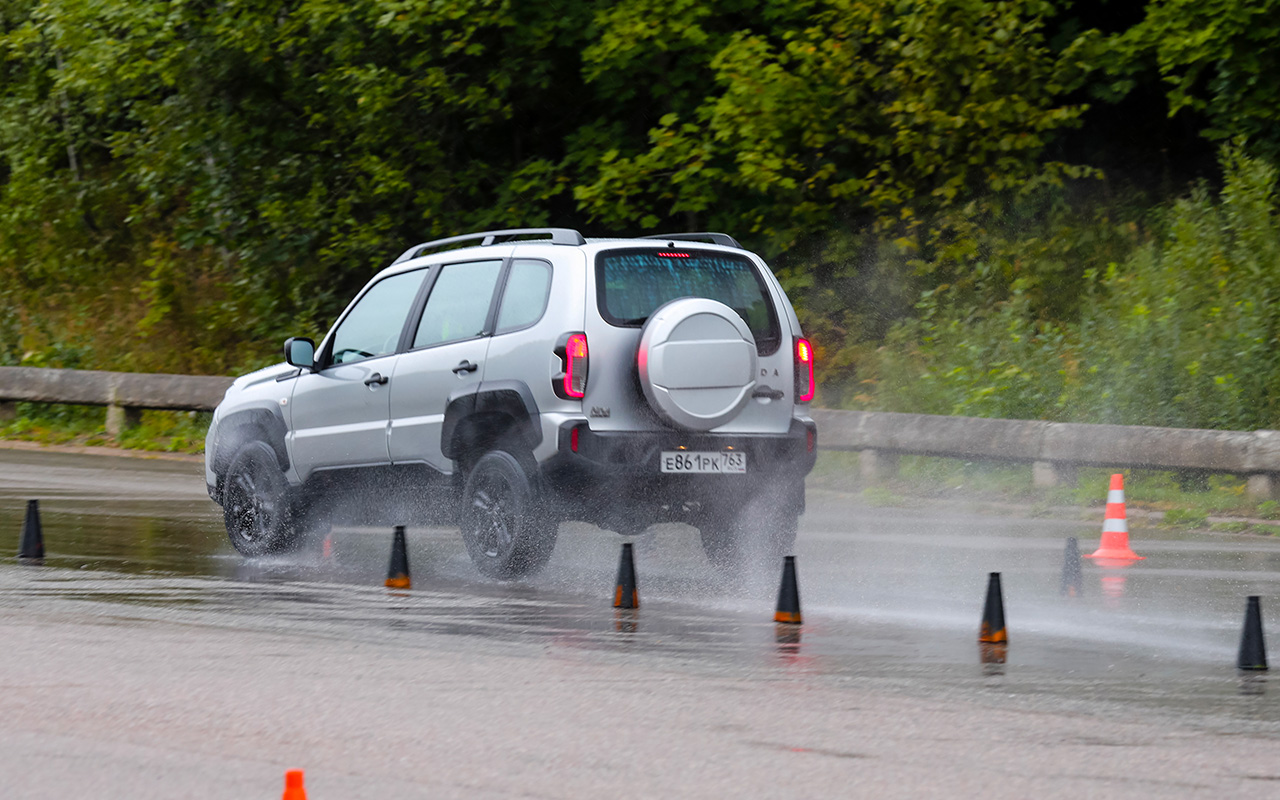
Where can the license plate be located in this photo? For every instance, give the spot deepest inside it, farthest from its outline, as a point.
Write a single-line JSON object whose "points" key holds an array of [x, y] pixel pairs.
{"points": [[691, 462]]}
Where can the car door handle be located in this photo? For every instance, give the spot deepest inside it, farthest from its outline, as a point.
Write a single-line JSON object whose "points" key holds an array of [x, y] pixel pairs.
{"points": [[465, 366], [377, 378]]}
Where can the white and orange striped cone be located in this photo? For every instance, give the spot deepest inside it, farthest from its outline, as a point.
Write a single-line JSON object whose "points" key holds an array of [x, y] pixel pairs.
{"points": [[1114, 550]]}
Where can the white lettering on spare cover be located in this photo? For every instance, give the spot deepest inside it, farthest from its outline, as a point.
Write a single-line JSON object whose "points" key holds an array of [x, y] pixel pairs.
{"points": [[702, 364]]}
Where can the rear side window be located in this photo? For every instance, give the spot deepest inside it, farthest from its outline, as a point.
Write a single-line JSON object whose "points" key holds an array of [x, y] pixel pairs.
{"points": [[631, 284], [525, 297]]}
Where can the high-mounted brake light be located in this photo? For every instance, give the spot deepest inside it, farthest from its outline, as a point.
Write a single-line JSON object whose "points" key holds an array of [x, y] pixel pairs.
{"points": [[575, 366], [804, 371], [674, 255]]}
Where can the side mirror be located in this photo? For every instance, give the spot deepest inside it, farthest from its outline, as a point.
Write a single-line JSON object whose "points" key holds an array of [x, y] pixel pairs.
{"points": [[299, 351]]}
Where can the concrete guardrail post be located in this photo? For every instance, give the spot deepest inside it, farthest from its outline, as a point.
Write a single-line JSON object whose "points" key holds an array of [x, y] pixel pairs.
{"points": [[1262, 485], [120, 418], [8, 411], [1049, 474], [1262, 479], [877, 465]]}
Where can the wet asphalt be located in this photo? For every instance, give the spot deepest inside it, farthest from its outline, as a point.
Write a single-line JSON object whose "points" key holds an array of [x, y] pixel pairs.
{"points": [[145, 658]]}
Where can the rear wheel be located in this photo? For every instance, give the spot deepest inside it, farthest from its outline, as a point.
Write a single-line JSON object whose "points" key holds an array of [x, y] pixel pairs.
{"points": [[257, 504], [505, 525]]}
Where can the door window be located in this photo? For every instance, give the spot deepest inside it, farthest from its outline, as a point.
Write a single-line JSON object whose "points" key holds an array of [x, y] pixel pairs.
{"points": [[525, 296], [459, 303], [373, 326]]}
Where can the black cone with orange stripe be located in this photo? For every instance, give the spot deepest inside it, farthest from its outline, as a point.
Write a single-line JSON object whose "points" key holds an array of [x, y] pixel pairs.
{"points": [[625, 594], [398, 569], [993, 631], [788, 594], [31, 546]]}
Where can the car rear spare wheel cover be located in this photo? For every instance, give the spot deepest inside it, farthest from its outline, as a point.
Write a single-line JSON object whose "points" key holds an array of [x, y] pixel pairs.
{"points": [[697, 363]]}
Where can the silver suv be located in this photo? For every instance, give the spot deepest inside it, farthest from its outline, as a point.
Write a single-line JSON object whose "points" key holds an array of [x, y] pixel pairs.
{"points": [[507, 381]]}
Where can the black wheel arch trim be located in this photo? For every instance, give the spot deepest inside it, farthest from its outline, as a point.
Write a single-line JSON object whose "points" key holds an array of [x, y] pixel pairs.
{"points": [[490, 402], [258, 420]]}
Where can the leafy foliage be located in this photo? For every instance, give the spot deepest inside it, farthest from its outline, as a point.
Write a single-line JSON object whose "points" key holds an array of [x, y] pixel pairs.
{"points": [[1215, 57], [182, 184], [1182, 333]]}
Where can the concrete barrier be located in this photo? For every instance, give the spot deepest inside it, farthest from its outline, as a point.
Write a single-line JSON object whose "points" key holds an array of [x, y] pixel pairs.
{"points": [[124, 394], [1054, 449]]}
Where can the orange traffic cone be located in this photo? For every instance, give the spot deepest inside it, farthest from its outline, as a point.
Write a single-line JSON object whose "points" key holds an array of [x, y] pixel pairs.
{"points": [[293, 789], [1114, 547]]}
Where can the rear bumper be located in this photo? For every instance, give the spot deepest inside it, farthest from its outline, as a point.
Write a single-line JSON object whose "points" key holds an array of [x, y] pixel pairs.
{"points": [[613, 476]]}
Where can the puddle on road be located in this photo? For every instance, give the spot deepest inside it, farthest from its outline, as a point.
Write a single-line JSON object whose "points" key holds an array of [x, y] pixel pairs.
{"points": [[896, 613]]}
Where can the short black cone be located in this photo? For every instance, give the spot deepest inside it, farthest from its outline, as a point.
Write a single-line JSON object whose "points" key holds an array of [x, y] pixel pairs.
{"points": [[993, 631], [788, 595], [625, 594], [1072, 573], [32, 544], [1253, 650], [398, 571]]}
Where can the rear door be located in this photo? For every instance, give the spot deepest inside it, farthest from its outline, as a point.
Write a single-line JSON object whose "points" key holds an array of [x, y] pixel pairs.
{"points": [[446, 357], [632, 282]]}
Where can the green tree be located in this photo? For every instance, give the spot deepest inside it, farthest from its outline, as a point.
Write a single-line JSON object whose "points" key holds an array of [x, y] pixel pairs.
{"points": [[1216, 57], [855, 110]]}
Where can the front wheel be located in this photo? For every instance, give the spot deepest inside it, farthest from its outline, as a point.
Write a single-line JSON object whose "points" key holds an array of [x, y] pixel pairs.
{"points": [[505, 525], [257, 505]]}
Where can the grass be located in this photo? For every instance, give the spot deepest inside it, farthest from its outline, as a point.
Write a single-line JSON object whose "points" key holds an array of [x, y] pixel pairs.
{"points": [[1185, 518], [161, 431], [1186, 502]]}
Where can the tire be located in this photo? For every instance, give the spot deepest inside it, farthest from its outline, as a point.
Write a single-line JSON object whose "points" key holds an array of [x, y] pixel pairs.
{"points": [[257, 504], [733, 541], [505, 525]]}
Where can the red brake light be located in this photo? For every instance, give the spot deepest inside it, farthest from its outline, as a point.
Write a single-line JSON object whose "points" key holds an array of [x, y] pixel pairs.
{"points": [[804, 371], [575, 366], [674, 255]]}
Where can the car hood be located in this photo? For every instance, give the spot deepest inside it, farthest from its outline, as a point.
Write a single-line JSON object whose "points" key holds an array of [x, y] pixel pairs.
{"points": [[263, 375]]}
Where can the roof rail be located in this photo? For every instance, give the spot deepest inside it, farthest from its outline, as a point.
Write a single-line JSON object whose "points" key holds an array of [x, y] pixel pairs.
{"points": [[715, 238], [558, 236]]}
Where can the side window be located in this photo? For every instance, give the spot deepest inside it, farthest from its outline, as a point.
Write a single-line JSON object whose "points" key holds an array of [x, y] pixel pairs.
{"points": [[373, 326], [459, 303], [525, 297]]}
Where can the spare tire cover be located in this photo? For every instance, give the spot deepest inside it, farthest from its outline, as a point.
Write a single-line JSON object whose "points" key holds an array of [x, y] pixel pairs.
{"points": [[697, 363]]}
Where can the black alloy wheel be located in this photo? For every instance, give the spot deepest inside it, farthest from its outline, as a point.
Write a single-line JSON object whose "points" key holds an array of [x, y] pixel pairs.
{"points": [[506, 528], [256, 505]]}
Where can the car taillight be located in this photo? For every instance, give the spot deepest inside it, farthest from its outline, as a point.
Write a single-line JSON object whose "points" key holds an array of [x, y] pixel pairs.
{"points": [[804, 371], [574, 436], [575, 365]]}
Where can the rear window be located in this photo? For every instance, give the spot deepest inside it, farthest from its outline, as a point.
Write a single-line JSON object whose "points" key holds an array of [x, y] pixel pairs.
{"points": [[631, 284]]}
